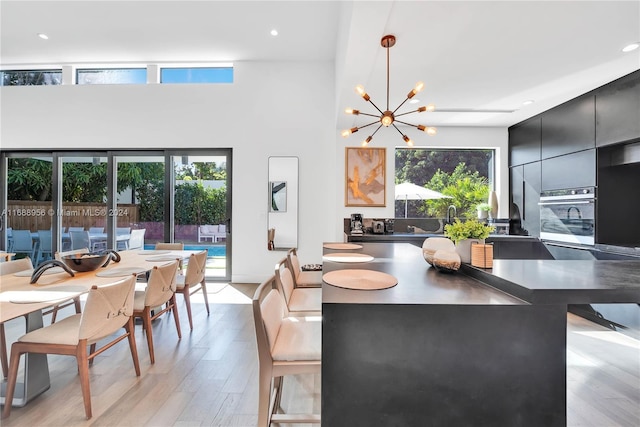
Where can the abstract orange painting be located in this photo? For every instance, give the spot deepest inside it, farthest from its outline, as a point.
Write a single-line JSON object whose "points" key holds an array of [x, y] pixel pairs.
{"points": [[365, 176]]}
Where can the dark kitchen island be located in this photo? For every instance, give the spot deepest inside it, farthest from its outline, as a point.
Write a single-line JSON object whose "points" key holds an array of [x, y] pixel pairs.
{"points": [[440, 349]]}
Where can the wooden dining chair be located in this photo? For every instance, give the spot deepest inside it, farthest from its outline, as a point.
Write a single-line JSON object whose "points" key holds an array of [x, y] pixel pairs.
{"points": [[299, 301], [193, 281], [10, 267], [302, 279], [160, 290], [286, 346], [177, 246], [107, 309]]}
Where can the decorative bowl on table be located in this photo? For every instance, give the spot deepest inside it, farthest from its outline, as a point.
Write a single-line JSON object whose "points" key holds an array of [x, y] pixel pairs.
{"points": [[80, 262], [446, 261], [433, 244], [90, 261]]}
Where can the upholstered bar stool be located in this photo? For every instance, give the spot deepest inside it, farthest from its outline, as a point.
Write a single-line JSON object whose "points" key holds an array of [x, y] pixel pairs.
{"points": [[302, 279], [286, 346], [299, 301]]}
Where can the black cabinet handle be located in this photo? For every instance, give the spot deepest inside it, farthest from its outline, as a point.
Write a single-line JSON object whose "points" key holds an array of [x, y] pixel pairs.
{"points": [[524, 197]]}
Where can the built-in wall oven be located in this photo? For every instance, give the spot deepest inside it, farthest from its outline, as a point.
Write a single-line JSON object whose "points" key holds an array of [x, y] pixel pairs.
{"points": [[568, 215]]}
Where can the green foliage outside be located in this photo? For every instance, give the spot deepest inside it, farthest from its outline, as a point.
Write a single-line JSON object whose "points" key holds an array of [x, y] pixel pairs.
{"points": [[460, 174], [30, 179], [31, 77], [196, 204], [467, 189]]}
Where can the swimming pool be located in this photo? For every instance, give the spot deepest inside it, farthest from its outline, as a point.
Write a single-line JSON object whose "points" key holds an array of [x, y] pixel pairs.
{"points": [[213, 251]]}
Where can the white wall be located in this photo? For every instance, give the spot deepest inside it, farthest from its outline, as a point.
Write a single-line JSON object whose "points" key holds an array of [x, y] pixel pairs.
{"points": [[271, 109]]}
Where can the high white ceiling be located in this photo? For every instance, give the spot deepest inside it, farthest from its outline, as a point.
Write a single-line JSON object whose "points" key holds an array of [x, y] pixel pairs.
{"points": [[471, 55]]}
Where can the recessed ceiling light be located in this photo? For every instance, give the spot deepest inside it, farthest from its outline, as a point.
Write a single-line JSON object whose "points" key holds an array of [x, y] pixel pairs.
{"points": [[43, 36], [528, 102], [274, 32], [414, 101], [630, 47]]}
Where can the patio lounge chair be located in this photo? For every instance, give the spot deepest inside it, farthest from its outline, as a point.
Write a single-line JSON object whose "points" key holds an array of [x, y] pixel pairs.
{"points": [[215, 233]]}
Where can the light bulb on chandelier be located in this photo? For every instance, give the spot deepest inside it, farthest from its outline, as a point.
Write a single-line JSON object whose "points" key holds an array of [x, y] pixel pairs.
{"points": [[389, 118]]}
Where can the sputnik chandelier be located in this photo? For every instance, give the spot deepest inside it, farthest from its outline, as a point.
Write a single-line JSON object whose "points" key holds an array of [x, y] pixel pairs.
{"points": [[389, 118]]}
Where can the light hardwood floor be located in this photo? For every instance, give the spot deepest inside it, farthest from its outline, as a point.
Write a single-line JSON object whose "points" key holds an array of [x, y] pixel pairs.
{"points": [[210, 376]]}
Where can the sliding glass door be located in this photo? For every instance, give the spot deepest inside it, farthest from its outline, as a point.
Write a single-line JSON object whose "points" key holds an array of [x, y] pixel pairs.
{"points": [[122, 200], [28, 218], [84, 208], [140, 202], [201, 208]]}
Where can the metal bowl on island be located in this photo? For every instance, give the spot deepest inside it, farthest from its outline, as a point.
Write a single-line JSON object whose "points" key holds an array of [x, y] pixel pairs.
{"points": [[90, 261]]}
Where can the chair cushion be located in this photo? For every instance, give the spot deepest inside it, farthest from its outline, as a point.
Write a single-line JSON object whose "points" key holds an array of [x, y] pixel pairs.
{"points": [[209, 229], [306, 278], [298, 339], [65, 331], [138, 300], [306, 299], [180, 281], [272, 311]]}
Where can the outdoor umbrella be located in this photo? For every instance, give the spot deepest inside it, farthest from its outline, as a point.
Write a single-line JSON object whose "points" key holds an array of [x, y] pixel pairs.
{"points": [[408, 191]]}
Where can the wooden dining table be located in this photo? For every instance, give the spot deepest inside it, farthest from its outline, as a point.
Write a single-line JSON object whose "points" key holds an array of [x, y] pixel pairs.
{"points": [[19, 298]]}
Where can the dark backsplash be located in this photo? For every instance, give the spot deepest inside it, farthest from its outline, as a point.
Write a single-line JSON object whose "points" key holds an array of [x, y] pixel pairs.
{"points": [[403, 225]]}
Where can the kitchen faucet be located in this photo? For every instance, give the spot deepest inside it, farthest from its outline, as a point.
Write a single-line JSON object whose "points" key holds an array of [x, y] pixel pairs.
{"points": [[449, 218]]}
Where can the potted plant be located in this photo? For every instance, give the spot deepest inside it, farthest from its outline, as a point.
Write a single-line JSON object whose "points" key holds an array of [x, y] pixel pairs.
{"points": [[483, 210], [463, 234]]}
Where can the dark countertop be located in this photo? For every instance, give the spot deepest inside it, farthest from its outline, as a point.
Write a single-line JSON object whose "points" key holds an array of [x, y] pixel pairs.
{"points": [[413, 237], [418, 282], [514, 280], [564, 281]]}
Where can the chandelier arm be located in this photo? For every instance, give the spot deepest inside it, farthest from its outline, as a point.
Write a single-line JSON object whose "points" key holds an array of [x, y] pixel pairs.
{"points": [[369, 124], [374, 132], [404, 114], [397, 129], [375, 106], [401, 104], [370, 115], [408, 124]]}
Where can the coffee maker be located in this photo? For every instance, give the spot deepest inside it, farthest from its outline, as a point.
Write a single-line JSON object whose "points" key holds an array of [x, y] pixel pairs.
{"points": [[356, 224]]}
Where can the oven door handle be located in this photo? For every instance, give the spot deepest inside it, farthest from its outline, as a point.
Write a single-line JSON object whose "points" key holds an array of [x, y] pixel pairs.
{"points": [[573, 202]]}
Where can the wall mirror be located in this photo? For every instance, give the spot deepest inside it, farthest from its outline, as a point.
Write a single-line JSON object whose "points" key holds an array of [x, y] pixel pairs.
{"points": [[283, 201]]}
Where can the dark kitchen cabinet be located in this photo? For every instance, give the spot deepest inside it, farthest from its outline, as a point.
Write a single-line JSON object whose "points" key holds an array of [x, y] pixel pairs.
{"points": [[524, 142], [569, 127], [532, 187], [525, 195], [569, 171], [516, 199], [618, 111]]}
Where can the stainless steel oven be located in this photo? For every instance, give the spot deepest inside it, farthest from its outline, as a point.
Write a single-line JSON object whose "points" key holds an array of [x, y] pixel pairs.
{"points": [[568, 215]]}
